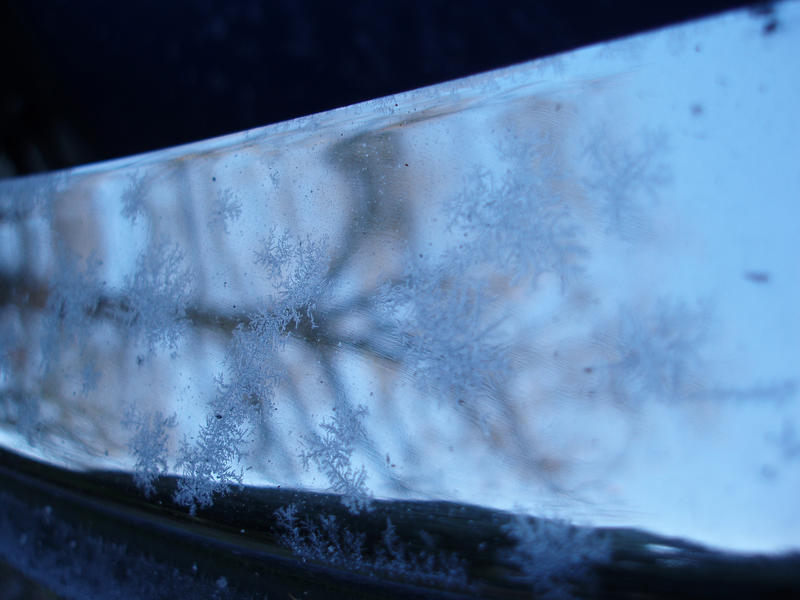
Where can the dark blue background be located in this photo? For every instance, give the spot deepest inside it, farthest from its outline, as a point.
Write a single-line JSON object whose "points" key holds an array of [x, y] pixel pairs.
{"points": [[88, 80]]}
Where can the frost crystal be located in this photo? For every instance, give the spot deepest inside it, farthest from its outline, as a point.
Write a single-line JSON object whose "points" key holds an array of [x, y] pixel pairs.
{"points": [[332, 451], [210, 462], [226, 208], [322, 538], [621, 174], [554, 555], [74, 297], [518, 223], [446, 332], [658, 351], [395, 558], [297, 268], [133, 203], [155, 297], [148, 445]]}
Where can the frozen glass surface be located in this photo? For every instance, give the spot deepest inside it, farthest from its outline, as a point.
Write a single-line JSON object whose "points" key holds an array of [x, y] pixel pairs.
{"points": [[567, 288]]}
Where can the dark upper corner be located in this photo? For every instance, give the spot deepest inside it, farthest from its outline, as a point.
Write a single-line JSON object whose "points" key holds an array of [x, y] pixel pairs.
{"points": [[95, 80]]}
